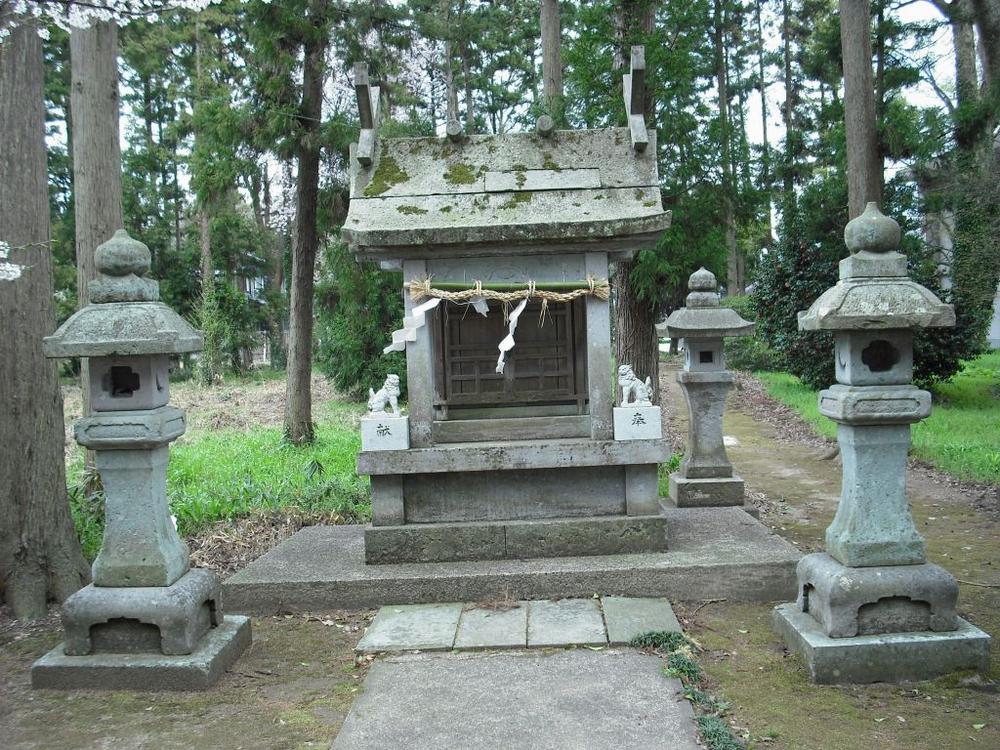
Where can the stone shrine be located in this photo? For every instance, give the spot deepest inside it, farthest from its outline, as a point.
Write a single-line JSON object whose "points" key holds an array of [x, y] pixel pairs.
{"points": [[705, 477], [505, 243], [871, 608], [148, 621]]}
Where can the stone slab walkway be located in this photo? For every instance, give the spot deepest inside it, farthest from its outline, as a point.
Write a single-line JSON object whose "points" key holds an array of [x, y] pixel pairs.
{"points": [[569, 700], [524, 624]]}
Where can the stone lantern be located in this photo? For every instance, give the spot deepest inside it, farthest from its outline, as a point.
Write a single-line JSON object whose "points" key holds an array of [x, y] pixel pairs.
{"points": [[705, 477], [148, 621], [871, 608]]}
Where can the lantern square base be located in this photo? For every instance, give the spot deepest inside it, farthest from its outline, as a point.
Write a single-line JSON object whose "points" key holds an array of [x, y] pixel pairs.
{"points": [[705, 493], [199, 670], [893, 657]]}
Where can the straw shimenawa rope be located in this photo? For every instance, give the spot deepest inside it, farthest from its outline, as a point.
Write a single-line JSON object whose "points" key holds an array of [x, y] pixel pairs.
{"points": [[598, 288]]}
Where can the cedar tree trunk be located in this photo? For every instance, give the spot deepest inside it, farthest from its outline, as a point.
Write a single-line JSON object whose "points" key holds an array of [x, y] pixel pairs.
{"points": [[40, 556], [864, 162], [298, 403]]}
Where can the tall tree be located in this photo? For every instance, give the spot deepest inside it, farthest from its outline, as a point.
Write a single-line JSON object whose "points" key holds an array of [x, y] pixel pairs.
{"points": [[734, 277], [97, 163], [864, 160], [552, 73], [635, 316], [40, 556], [298, 403]]}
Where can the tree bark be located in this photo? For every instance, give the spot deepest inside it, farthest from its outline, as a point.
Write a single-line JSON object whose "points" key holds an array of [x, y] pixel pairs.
{"points": [[298, 403], [734, 284], [635, 319], [766, 153], [40, 556], [552, 73], [97, 162], [988, 22], [864, 162]]}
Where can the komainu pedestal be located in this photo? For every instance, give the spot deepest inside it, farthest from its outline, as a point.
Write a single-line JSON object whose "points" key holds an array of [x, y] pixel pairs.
{"points": [[871, 608], [148, 621]]}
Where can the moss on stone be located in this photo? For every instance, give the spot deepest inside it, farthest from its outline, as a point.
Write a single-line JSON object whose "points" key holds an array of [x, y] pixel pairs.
{"points": [[411, 210], [386, 176], [650, 204], [446, 209], [549, 163], [460, 173], [517, 199]]}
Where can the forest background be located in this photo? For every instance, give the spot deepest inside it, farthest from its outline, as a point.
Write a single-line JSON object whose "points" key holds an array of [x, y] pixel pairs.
{"points": [[213, 127]]}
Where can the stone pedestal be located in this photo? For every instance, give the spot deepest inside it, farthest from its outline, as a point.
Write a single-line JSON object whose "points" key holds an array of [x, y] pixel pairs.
{"points": [[147, 622], [638, 422], [385, 433], [871, 608], [703, 493]]}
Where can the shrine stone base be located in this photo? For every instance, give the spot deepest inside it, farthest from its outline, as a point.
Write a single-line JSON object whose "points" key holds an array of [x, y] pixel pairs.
{"points": [[216, 652], [713, 553], [517, 540], [704, 493], [889, 657]]}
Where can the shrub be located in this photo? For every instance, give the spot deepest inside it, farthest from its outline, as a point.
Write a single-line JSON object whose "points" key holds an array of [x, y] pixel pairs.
{"points": [[358, 306], [748, 353]]}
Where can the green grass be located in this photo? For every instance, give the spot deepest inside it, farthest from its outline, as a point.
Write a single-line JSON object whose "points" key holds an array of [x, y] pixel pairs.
{"points": [[960, 437], [225, 474]]}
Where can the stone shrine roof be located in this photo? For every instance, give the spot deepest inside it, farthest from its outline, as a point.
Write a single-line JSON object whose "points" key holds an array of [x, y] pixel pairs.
{"points": [[511, 193]]}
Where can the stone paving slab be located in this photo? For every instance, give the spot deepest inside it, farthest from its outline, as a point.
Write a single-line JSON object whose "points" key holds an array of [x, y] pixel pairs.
{"points": [[570, 700], [493, 628], [423, 627], [627, 618], [567, 622], [713, 553]]}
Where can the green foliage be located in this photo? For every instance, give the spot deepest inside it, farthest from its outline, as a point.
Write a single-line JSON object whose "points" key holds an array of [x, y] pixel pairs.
{"points": [[717, 734], [796, 272], [748, 353], [660, 639], [358, 306], [683, 667], [959, 437], [228, 474], [229, 322]]}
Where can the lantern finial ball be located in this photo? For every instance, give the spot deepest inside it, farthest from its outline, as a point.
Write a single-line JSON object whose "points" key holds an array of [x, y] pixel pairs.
{"points": [[702, 280], [872, 231], [122, 255]]}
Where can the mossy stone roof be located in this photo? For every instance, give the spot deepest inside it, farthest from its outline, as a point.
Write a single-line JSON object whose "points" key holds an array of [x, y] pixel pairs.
{"points": [[423, 195]]}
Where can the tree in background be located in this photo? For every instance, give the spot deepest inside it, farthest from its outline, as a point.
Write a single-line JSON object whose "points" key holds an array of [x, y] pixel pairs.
{"points": [[40, 556]]}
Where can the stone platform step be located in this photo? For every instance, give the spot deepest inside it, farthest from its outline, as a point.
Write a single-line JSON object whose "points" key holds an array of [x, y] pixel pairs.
{"points": [[714, 553], [515, 540], [609, 620]]}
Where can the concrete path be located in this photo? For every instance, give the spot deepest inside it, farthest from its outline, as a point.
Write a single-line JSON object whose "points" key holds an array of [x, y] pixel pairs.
{"points": [[524, 624], [568, 700]]}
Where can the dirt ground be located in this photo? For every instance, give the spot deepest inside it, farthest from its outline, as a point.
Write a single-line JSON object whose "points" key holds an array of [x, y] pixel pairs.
{"points": [[294, 687], [290, 691]]}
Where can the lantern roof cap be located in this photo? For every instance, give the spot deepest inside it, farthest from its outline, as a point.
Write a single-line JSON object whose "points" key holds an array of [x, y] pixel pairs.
{"points": [[874, 291], [703, 317], [125, 316]]}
